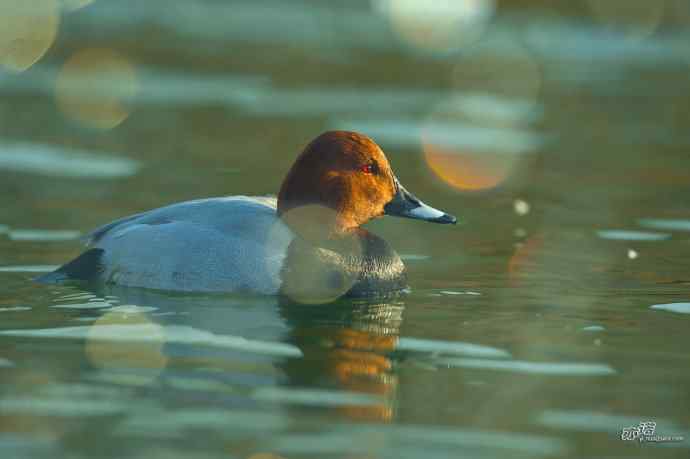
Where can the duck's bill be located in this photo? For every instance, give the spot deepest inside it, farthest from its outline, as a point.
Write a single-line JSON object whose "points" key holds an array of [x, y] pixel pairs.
{"points": [[405, 204]]}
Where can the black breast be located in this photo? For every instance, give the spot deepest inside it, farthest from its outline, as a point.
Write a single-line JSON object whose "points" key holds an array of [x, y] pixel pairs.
{"points": [[361, 265], [381, 269]]}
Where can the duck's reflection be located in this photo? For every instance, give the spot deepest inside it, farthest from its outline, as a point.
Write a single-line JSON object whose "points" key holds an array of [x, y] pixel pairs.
{"points": [[345, 346]]}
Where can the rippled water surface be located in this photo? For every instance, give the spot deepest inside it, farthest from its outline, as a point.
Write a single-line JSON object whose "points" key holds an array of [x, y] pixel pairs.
{"points": [[553, 317]]}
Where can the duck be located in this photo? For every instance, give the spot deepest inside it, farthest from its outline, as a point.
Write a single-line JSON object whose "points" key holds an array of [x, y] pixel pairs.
{"points": [[307, 243]]}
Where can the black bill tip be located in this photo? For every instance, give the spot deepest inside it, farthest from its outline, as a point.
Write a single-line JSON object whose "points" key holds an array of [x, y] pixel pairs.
{"points": [[446, 219]]}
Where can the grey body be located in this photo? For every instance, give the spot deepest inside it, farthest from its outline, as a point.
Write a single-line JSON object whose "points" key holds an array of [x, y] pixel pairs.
{"points": [[230, 244], [209, 245]]}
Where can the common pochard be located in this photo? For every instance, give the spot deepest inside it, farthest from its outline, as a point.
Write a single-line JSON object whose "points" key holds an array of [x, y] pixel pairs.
{"points": [[307, 244]]}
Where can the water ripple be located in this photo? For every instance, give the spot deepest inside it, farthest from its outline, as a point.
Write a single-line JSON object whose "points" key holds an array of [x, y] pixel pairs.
{"points": [[450, 347], [163, 423], [172, 334], [542, 368], [315, 397], [588, 421], [668, 224], [407, 133], [55, 161], [43, 235], [62, 408], [28, 268], [15, 309], [681, 308], [626, 235], [411, 441]]}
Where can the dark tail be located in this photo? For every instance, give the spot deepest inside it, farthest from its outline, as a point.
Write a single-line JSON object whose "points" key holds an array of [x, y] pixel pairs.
{"points": [[86, 267]]}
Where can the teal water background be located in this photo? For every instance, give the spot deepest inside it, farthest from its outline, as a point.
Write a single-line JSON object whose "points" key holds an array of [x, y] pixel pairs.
{"points": [[553, 317]]}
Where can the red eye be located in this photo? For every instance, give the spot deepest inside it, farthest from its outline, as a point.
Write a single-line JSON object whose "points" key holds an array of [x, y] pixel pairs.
{"points": [[367, 168]]}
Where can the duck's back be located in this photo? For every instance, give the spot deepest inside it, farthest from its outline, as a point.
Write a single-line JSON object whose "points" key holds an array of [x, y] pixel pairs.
{"points": [[218, 244]]}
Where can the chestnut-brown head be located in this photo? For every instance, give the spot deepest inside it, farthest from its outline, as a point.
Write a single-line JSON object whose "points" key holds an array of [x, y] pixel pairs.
{"points": [[349, 175]]}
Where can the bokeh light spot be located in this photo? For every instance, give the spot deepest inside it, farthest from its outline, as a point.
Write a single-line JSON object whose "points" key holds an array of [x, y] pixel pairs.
{"points": [[504, 68], [480, 146], [95, 87], [471, 154], [437, 26], [468, 170], [144, 351], [318, 270], [27, 29]]}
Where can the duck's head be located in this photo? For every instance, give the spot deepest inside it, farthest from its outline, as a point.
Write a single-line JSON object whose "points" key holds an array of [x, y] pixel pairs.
{"points": [[348, 176]]}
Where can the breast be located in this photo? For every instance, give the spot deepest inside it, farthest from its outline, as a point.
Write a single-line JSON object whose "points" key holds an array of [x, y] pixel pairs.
{"points": [[323, 274], [382, 271], [228, 244]]}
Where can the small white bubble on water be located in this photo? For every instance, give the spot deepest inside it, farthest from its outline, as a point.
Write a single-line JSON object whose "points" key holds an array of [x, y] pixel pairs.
{"points": [[521, 207], [632, 254]]}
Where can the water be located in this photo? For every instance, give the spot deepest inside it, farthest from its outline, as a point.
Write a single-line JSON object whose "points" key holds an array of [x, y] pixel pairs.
{"points": [[555, 316]]}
